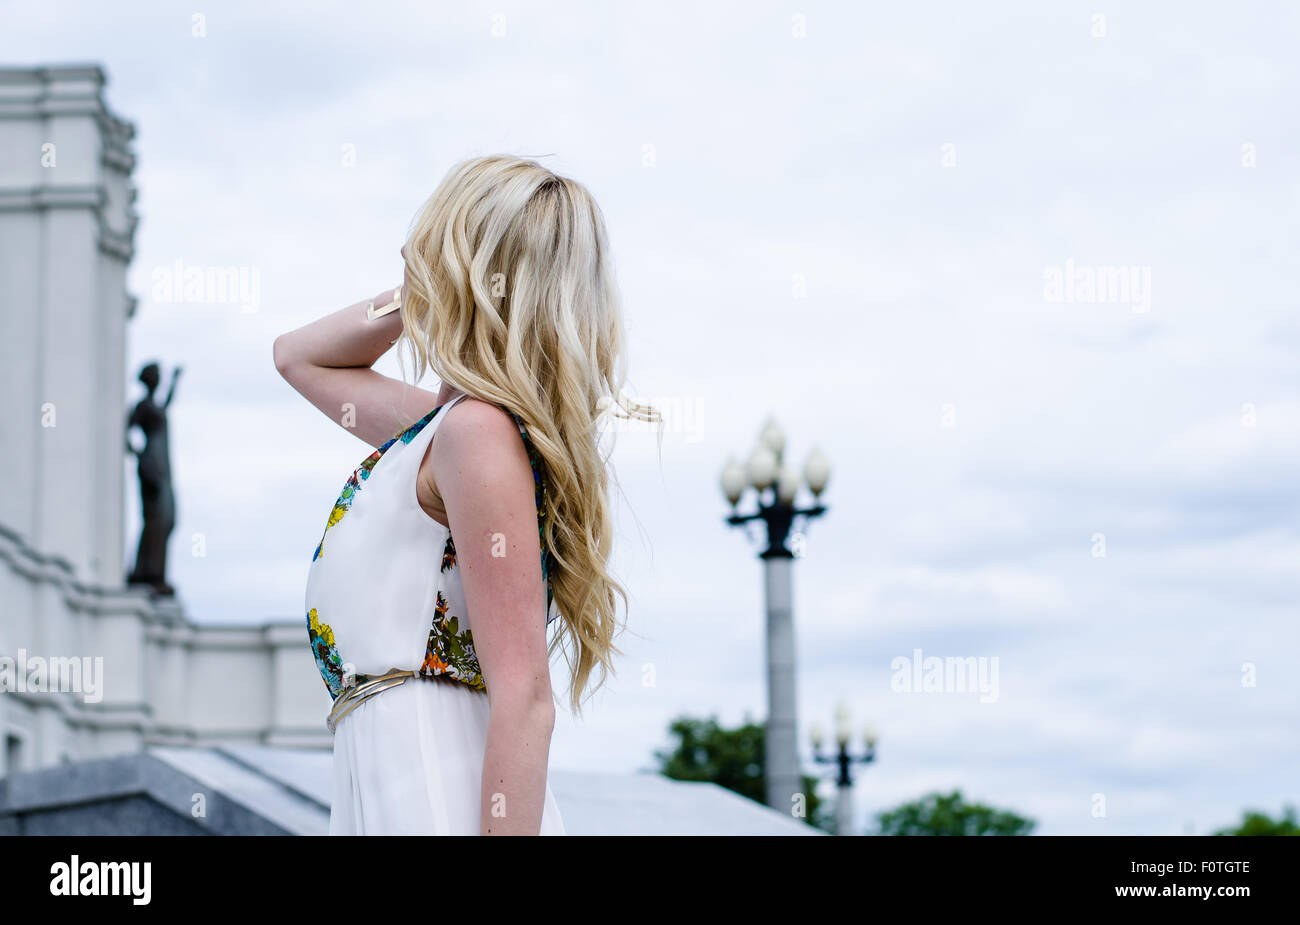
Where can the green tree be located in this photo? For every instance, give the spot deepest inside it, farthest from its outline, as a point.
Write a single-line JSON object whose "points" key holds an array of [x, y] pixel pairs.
{"points": [[940, 814], [731, 758], [1257, 823]]}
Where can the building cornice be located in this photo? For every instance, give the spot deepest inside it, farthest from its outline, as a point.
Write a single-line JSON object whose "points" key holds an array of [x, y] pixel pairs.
{"points": [[119, 244], [75, 89]]}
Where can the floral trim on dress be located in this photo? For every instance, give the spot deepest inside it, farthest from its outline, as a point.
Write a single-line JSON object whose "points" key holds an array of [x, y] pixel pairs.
{"points": [[450, 652], [353, 484], [327, 656], [449, 554]]}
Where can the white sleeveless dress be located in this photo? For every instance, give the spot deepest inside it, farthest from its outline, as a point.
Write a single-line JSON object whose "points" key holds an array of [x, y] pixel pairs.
{"points": [[384, 592]]}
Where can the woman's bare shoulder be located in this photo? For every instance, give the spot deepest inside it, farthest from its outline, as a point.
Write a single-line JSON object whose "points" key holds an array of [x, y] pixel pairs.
{"points": [[481, 435]]}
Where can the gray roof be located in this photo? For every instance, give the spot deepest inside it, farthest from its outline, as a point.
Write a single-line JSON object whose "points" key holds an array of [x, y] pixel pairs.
{"points": [[267, 790]]}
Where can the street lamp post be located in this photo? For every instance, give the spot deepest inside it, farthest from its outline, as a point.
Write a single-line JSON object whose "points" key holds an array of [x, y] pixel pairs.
{"points": [[776, 487], [844, 760]]}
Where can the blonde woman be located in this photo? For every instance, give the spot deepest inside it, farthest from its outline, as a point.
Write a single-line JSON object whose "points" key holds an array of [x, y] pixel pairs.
{"points": [[481, 520]]}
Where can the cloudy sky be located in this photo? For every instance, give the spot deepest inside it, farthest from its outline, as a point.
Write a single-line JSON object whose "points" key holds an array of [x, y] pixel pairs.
{"points": [[1026, 275]]}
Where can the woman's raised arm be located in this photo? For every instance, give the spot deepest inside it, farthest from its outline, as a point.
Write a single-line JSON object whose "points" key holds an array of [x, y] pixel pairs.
{"points": [[329, 360]]}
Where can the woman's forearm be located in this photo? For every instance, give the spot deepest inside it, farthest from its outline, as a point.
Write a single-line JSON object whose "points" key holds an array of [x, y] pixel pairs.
{"points": [[341, 340], [330, 363], [514, 768]]}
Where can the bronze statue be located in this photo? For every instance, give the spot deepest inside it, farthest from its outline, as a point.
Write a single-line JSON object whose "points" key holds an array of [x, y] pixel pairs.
{"points": [[157, 500]]}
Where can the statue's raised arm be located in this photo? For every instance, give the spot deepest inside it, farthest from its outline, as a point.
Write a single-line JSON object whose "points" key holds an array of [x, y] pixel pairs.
{"points": [[171, 390]]}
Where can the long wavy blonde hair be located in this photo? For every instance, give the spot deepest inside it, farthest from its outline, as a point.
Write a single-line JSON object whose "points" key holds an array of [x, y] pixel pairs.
{"points": [[510, 297]]}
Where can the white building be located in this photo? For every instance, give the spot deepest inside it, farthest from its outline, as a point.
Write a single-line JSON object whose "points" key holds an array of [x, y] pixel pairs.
{"points": [[66, 238]]}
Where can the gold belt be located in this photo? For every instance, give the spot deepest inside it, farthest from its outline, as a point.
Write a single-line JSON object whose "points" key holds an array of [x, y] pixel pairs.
{"points": [[358, 694]]}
